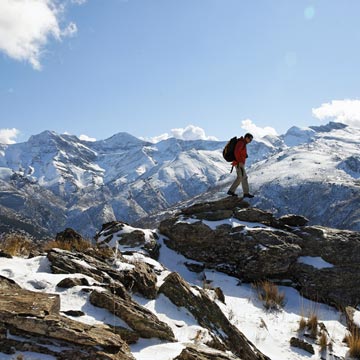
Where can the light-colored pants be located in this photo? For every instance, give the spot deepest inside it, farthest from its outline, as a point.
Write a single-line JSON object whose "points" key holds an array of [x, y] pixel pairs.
{"points": [[240, 178]]}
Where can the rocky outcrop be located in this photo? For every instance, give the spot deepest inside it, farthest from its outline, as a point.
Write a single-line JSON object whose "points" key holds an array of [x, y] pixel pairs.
{"points": [[259, 246], [111, 234], [141, 320], [35, 316], [139, 277], [202, 353], [209, 316]]}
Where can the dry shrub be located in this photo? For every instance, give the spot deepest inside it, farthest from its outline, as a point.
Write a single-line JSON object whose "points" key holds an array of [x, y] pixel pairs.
{"points": [[312, 325], [302, 324], [323, 341], [352, 340], [73, 245], [269, 294], [16, 244]]}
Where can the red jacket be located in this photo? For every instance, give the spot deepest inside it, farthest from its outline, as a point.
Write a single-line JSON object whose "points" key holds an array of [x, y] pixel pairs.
{"points": [[240, 152]]}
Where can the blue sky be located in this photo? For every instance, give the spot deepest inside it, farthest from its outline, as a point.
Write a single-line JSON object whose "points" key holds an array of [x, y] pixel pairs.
{"points": [[185, 68]]}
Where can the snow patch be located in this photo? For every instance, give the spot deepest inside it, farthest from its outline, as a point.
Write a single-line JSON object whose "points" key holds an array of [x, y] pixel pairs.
{"points": [[315, 261]]}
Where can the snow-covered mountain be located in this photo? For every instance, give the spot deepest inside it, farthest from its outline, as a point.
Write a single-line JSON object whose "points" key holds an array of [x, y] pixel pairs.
{"points": [[55, 181]]}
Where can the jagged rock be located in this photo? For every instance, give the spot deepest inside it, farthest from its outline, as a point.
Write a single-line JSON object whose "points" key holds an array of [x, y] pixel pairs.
{"points": [[34, 314], [74, 313], [336, 284], [141, 320], [6, 284], [214, 215], [192, 352], [111, 235], [141, 277], [68, 235], [228, 203], [293, 220], [250, 255], [15, 300], [301, 344], [71, 282], [271, 252], [350, 312], [131, 337], [209, 316], [254, 215]]}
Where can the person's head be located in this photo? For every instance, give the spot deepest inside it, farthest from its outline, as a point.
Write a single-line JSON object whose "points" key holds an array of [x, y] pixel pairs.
{"points": [[248, 137]]}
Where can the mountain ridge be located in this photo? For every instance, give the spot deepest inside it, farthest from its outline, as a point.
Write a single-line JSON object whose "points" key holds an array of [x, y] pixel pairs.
{"points": [[62, 181]]}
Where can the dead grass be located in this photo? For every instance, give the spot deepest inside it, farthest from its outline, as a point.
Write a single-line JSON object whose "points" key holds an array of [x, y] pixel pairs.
{"points": [[73, 245], [312, 325], [302, 324], [16, 245], [269, 294], [352, 340], [323, 341]]}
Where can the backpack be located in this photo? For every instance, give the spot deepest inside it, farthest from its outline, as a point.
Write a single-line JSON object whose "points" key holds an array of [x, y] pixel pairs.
{"points": [[228, 152]]}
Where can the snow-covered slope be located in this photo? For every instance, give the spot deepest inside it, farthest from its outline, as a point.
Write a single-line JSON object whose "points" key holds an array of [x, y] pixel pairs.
{"points": [[318, 178], [59, 181]]}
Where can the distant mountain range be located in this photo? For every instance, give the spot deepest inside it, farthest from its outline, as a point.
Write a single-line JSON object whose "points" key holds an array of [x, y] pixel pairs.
{"points": [[56, 181]]}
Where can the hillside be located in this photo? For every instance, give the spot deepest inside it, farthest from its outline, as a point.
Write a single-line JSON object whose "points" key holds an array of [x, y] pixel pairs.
{"points": [[190, 289]]}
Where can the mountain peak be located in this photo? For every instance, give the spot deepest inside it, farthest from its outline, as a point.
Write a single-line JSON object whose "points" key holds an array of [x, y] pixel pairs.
{"points": [[329, 127]]}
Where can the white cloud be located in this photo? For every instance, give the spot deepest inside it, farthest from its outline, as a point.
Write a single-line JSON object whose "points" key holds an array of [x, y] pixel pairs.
{"points": [[345, 111], [27, 25], [191, 132], [7, 135], [86, 138], [256, 131]]}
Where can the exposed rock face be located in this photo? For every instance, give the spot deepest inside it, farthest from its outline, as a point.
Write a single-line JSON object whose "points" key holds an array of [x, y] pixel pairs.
{"points": [[143, 321], [202, 353], [269, 249], [141, 277], [209, 315], [36, 317], [112, 234]]}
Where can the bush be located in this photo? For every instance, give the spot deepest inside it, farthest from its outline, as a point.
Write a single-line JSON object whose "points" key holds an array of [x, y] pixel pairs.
{"points": [[353, 342], [16, 244], [323, 341], [269, 294], [73, 245], [312, 325]]}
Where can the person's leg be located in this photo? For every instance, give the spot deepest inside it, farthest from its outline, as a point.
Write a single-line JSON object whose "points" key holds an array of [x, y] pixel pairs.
{"points": [[244, 181], [237, 181]]}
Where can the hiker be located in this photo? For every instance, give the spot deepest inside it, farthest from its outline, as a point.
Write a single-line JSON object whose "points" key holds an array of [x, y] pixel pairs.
{"points": [[239, 164]]}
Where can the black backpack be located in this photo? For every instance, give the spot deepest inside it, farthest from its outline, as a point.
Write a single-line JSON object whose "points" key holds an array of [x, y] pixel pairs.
{"points": [[228, 152]]}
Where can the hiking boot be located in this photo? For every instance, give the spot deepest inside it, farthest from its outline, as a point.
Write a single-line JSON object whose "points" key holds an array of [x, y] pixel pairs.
{"points": [[231, 193], [248, 196]]}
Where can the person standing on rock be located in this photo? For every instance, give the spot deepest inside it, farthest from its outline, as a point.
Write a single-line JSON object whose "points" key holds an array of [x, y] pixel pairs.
{"points": [[240, 154]]}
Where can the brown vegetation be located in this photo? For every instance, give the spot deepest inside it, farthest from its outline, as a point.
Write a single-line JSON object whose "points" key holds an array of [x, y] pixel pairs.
{"points": [[269, 294]]}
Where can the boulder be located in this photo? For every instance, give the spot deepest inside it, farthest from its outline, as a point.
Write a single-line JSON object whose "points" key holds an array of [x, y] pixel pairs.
{"points": [[15, 300], [141, 277], [270, 251], [111, 235], [141, 320], [228, 203], [249, 255], [35, 317], [209, 315], [192, 352], [71, 282], [293, 220]]}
